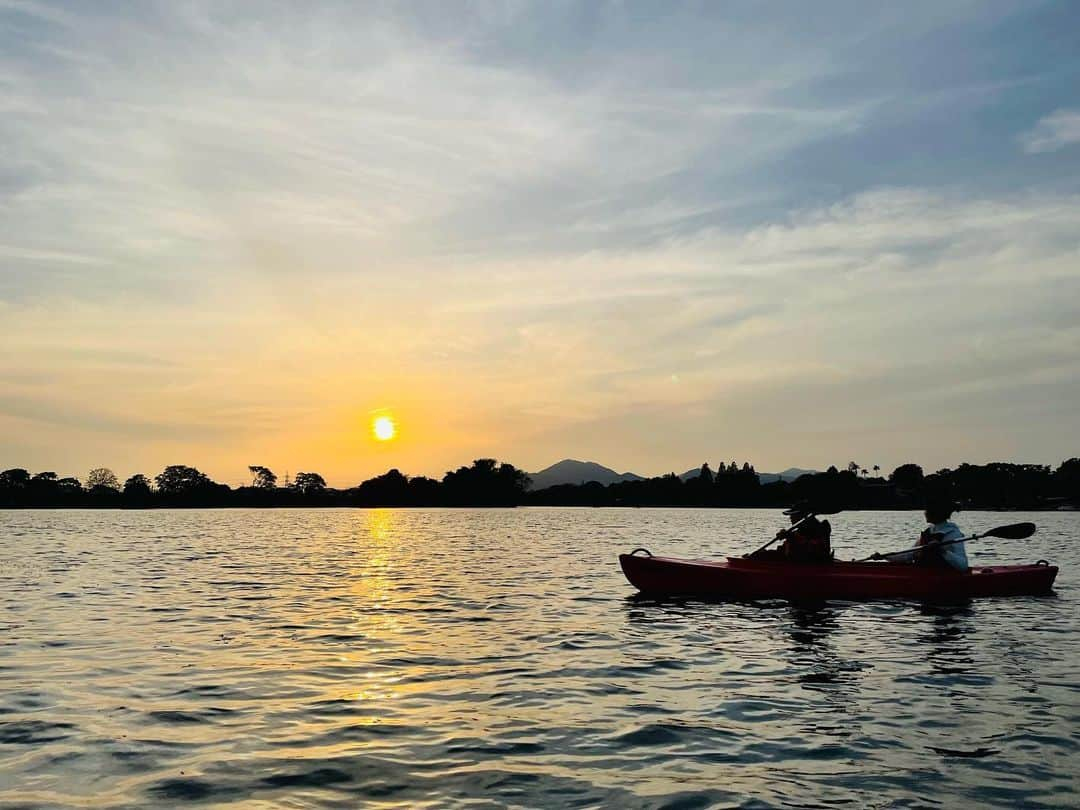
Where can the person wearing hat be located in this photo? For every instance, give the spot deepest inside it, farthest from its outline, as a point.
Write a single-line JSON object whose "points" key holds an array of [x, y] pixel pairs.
{"points": [[810, 541]]}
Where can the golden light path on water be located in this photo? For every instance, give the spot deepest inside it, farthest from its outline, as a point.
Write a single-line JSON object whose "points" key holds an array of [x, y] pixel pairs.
{"points": [[445, 658]]}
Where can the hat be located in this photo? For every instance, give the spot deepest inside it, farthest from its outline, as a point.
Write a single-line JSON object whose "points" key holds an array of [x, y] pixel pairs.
{"points": [[802, 508]]}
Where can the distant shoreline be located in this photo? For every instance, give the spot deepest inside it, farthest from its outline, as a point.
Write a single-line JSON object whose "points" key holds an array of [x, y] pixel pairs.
{"points": [[489, 483]]}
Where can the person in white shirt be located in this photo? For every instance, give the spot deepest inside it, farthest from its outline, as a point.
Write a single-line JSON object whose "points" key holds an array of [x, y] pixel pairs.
{"points": [[942, 529]]}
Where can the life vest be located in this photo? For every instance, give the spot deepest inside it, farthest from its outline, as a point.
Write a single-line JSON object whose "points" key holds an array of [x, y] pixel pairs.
{"points": [[808, 543]]}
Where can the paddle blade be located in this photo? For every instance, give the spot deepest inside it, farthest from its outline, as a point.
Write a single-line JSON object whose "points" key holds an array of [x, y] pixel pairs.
{"points": [[1014, 531]]}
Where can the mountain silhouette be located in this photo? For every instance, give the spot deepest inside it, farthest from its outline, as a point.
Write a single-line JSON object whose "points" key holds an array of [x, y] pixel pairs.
{"points": [[693, 472], [570, 471], [790, 474]]}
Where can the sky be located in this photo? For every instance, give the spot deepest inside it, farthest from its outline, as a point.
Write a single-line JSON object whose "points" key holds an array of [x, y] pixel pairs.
{"points": [[646, 234]]}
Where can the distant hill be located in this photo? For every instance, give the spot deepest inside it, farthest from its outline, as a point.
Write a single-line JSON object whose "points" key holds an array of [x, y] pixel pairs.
{"points": [[790, 474], [569, 471]]}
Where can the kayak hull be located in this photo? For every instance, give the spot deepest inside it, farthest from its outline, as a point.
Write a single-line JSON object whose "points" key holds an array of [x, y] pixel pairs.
{"points": [[739, 579]]}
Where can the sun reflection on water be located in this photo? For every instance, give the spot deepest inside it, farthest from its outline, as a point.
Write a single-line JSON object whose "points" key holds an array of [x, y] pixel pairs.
{"points": [[418, 657]]}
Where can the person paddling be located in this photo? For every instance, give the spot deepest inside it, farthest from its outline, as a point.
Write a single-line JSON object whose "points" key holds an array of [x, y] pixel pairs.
{"points": [[809, 542], [938, 513]]}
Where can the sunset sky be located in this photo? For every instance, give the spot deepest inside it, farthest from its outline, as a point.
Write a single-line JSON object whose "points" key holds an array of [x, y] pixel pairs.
{"points": [[644, 234]]}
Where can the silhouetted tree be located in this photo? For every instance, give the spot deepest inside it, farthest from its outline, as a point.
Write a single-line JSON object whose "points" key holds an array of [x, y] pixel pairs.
{"points": [[699, 490], [485, 483], [995, 484], [488, 483], [424, 491], [1067, 479], [389, 489], [262, 477], [102, 477], [592, 493], [101, 496], [43, 489], [137, 484], [737, 486], [179, 479], [907, 476], [14, 478], [137, 490], [69, 484], [828, 489], [309, 483]]}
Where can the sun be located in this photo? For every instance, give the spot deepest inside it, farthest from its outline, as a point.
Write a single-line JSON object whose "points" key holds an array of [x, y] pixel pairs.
{"points": [[383, 428]]}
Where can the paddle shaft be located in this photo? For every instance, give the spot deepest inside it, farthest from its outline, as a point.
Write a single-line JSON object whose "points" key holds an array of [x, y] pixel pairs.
{"points": [[927, 547], [1014, 531]]}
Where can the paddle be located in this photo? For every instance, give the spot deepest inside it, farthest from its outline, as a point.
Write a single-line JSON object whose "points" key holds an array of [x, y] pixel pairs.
{"points": [[1014, 531], [780, 535]]}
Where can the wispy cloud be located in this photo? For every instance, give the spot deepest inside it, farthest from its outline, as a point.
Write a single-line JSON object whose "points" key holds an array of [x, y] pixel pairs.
{"points": [[517, 221], [1057, 130]]}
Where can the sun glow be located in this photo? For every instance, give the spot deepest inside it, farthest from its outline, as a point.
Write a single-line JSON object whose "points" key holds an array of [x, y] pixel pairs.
{"points": [[383, 428]]}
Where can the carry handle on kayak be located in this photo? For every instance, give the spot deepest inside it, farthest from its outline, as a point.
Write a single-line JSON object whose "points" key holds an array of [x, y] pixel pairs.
{"points": [[780, 535], [1013, 531]]}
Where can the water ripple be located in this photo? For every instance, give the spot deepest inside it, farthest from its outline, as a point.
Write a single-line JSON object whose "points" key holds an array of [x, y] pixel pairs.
{"points": [[496, 658]]}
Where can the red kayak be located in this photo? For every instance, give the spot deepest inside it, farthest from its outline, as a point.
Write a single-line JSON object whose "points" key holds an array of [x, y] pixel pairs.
{"points": [[742, 578]]}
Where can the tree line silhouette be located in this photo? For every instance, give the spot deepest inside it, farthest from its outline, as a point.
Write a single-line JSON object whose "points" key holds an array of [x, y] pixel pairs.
{"points": [[487, 482]]}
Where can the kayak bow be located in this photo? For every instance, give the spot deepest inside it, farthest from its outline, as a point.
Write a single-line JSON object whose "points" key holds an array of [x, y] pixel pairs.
{"points": [[740, 578]]}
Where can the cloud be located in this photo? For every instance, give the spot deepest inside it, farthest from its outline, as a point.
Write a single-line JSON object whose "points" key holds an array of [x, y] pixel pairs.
{"points": [[852, 320], [520, 222], [1057, 130], [345, 133]]}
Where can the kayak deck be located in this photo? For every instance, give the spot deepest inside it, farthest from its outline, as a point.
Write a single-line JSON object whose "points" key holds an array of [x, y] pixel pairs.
{"points": [[741, 578]]}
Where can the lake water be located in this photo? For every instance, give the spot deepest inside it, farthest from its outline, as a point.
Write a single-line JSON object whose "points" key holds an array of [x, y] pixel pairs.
{"points": [[490, 658]]}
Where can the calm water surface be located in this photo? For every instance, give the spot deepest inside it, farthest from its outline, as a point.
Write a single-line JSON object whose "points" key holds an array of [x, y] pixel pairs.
{"points": [[346, 658]]}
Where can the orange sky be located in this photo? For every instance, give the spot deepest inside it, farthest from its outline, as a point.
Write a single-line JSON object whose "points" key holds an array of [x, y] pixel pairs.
{"points": [[674, 238]]}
